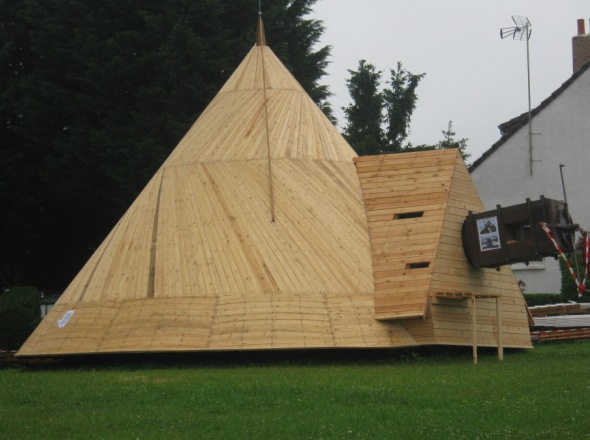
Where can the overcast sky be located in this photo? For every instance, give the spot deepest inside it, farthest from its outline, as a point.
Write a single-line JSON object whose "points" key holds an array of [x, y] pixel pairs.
{"points": [[473, 77]]}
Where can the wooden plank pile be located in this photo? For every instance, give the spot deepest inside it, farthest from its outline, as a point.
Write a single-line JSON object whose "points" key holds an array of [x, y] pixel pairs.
{"points": [[567, 321], [560, 335], [560, 309]]}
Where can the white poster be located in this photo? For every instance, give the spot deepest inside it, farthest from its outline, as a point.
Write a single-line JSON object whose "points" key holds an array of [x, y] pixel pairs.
{"points": [[489, 237]]}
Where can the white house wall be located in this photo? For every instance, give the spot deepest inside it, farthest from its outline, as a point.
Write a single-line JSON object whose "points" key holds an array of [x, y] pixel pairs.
{"points": [[562, 136]]}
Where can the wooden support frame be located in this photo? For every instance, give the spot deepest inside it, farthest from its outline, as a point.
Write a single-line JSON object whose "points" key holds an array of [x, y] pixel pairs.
{"points": [[474, 297]]}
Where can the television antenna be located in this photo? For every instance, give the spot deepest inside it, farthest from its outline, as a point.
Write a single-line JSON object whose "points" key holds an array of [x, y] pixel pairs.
{"points": [[522, 31], [519, 32]]}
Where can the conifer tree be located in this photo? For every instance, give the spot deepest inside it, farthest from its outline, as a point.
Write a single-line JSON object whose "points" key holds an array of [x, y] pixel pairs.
{"points": [[448, 141], [364, 116], [400, 102], [95, 94], [378, 120]]}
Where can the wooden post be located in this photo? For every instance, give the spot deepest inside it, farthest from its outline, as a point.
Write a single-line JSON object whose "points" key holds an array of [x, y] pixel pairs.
{"points": [[474, 322], [499, 324]]}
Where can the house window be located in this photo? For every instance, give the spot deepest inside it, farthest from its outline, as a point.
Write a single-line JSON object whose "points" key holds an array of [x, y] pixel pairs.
{"points": [[45, 308]]}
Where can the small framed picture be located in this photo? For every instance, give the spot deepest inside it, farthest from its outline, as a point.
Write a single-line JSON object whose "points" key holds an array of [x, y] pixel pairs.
{"points": [[489, 236]]}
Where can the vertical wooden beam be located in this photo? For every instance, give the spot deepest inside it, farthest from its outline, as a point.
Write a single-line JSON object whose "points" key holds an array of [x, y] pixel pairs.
{"points": [[499, 324], [474, 323], [151, 287], [268, 149]]}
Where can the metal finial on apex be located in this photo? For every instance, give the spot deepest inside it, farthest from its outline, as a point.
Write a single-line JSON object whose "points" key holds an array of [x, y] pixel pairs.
{"points": [[260, 37]]}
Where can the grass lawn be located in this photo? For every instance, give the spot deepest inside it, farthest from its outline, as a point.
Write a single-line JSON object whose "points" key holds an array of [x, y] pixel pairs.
{"points": [[542, 393]]}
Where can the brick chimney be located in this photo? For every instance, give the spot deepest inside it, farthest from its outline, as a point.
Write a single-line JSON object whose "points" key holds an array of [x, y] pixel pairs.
{"points": [[581, 47]]}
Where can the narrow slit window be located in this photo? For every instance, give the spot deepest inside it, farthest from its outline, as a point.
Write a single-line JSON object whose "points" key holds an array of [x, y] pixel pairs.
{"points": [[403, 215], [418, 265]]}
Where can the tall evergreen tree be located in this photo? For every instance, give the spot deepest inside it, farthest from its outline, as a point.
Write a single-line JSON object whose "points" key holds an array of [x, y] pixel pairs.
{"points": [[372, 109], [364, 116], [448, 141], [400, 102], [293, 38], [95, 95]]}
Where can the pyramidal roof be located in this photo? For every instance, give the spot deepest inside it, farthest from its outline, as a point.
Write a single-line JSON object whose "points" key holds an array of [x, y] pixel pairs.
{"points": [[252, 234], [260, 111]]}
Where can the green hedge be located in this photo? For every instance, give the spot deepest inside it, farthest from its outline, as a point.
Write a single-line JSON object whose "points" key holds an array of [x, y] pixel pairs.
{"points": [[19, 315], [541, 299]]}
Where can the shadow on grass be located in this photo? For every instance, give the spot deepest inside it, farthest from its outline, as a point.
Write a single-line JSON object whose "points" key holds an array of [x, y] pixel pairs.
{"points": [[255, 358]]}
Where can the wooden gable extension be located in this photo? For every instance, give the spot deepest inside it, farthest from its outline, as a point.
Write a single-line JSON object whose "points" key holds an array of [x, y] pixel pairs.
{"points": [[405, 198], [416, 204]]}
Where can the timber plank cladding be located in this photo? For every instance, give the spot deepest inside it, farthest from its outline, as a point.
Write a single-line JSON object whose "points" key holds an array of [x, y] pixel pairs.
{"points": [[264, 230], [416, 204]]}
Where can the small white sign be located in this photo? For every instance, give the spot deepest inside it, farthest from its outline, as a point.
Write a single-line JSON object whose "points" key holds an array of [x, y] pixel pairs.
{"points": [[61, 323], [489, 236]]}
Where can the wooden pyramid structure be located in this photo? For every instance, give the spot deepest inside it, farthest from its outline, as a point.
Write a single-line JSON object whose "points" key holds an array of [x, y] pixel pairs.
{"points": [[258, 233]]}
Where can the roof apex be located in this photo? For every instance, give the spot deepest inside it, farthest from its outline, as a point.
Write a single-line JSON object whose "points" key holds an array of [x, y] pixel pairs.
{"points": [[260, 37]]}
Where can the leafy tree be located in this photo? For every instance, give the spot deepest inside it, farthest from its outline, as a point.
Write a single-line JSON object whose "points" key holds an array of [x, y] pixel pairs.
{"points": [[94, 97], [400, 101], [364, 116]]}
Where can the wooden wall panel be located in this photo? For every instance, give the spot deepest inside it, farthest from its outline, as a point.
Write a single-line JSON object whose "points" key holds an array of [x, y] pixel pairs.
{"points": [[405, 198], [452, 272], [223, 323], [436, 183]]}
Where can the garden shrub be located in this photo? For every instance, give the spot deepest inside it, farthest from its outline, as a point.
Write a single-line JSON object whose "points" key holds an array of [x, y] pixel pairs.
{"points": [[19, 315]]}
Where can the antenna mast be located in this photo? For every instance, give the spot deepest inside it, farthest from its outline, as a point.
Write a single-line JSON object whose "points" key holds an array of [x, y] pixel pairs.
{"points": [[522, 31]]}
